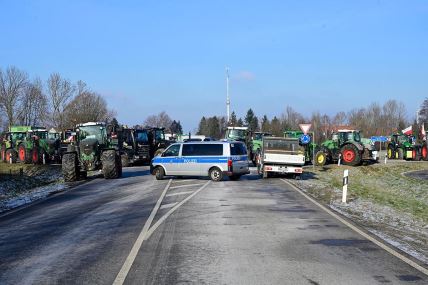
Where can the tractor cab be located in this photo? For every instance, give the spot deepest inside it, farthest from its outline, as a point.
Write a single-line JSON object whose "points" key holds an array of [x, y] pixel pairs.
{"points": [[237, 134]]}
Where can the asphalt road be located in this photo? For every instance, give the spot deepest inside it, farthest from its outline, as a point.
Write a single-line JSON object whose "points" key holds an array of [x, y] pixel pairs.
{"points": [[251, 231]]}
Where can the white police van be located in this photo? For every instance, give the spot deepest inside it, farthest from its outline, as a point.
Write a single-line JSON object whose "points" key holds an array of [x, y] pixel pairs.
{"points": [[213, 159]]}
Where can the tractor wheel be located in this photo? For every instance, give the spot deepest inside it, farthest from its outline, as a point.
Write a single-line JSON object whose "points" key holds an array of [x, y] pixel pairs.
{"points": [[350, 155], [125, 160], [35, 156], [119, 165], [320, 158], [110, 164], [400, 154], [390, 153], [424, 153], [11, 154], [23, 154], [416, 155], [3, 153], [70, 170]]}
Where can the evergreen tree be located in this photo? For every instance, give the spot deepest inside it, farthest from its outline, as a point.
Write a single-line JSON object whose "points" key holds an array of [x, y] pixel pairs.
{"points": [[202, 128], [233, 120], [276, 128], [240, 123], [265, 124]]}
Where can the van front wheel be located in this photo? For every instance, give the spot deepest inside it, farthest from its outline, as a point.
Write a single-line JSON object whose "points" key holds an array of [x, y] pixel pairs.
{"points": [[216, 174], [159, 173]]}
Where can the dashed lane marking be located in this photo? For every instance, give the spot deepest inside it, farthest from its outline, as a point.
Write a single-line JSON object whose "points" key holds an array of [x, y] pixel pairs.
{"points": [[359, 231], [121, 276], [187, 185]]}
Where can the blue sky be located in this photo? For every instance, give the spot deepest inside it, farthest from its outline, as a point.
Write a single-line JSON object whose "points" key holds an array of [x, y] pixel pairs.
{"points": [[150, 56]]}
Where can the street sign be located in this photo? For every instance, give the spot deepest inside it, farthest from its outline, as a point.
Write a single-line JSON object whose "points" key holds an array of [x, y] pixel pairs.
{"points": [[379, 139], [305, 127], [305, 139]]}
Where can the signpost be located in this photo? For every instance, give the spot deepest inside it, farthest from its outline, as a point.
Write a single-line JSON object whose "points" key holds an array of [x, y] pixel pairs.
{"points": [[305, 129], [345, 185]]}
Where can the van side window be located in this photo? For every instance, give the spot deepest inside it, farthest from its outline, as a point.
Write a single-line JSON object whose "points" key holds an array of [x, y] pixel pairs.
{"points": [[202, 149], [238, 149], [173, 150]]}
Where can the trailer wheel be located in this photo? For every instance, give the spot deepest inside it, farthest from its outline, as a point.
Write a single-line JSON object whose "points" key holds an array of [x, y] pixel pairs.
{"points": [[69, 167], [320, 158]]}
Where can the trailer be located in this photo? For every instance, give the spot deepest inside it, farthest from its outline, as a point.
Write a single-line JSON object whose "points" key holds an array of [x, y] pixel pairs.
{"points": [[281, 156]]}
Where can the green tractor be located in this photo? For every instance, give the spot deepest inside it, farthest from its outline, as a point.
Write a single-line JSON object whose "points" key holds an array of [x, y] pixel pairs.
{"points": [[29, 144], [306, 141], [16, 137], [256, 143], [92, 150], [401, 147], [347, 146]]}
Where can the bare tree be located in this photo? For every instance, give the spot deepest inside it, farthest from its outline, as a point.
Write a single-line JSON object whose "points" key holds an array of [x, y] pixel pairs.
{"points": [[12, 84], [87, 107], [60, 92], [161, 120], [34, 103]]}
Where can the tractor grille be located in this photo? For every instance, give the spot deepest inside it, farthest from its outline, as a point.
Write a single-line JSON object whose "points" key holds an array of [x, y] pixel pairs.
{"points": [[143, 151]]}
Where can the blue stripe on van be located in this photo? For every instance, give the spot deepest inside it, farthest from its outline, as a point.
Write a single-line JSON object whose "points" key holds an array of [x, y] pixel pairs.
{"points": [[198, 159]]}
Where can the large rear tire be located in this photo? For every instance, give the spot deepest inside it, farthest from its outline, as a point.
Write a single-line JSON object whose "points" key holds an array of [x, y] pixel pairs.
{"points": [[424, 153], [320, 158], [24, 154], [35, 155], [350, 155], [70, 170], [3, 153], [110, 164]]}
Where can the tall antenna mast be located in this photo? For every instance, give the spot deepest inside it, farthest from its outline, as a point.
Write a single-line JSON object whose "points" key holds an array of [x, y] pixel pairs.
{"points": [[227, 95]]}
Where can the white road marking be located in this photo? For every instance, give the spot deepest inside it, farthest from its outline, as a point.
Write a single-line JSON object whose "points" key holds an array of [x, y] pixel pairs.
{"points": [[357, 230], [184, 180], [187, 185], [179, 193], [121, 276], [167, 206], [161, 220]]}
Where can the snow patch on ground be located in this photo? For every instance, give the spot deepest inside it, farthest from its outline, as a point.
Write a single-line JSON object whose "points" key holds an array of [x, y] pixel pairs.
{"points": [[29, 197]]}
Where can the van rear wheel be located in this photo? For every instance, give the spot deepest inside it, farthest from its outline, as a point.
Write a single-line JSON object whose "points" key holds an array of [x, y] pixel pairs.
{"points": [[234, 177], [216, 174]]}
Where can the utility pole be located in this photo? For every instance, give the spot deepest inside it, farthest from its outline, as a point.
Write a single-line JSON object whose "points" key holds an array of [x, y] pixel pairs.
{"points": [[227, 96]]}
